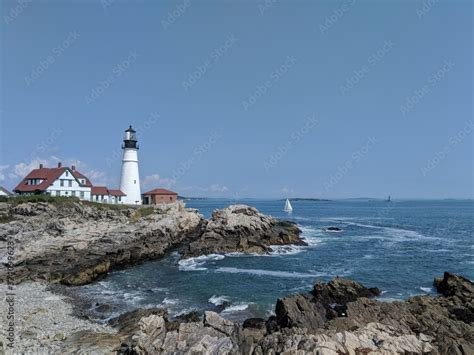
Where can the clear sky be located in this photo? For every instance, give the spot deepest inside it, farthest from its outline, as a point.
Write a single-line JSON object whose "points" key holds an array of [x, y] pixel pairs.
{"points": [[245, 98]]}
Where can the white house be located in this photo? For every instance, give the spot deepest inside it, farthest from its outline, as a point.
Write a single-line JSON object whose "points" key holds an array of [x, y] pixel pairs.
{"points": [[65, 181]]}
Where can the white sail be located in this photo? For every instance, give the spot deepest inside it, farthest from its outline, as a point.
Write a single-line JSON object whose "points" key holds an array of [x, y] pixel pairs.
{"points": [[288, 207]]}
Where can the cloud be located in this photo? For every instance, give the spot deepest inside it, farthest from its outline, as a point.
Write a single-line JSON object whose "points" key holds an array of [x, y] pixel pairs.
{"points": [[2, 174], [156, 179], [20, 170]]}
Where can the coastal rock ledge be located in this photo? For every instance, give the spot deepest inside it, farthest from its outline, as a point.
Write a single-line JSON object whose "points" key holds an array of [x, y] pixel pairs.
{"points": [[240, 228], [74, 243]]}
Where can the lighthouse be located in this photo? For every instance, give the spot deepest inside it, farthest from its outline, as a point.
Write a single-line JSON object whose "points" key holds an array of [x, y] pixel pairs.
{"points": [[130, 178]]}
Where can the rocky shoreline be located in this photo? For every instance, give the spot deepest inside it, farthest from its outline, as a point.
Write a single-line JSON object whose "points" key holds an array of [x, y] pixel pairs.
{"points": [[75, 243], [68, 243], [338, 317]]}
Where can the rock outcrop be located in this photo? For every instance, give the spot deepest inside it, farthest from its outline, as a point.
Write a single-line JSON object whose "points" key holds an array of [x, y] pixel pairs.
{"points": [[74, 243], [241, 228]]}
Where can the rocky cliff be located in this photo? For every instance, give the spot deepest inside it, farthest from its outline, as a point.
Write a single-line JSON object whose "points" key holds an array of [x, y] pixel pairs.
{"points": [[74, 243]]}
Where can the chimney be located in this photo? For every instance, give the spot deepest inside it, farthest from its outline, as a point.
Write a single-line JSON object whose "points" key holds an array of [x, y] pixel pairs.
{"points": [[73, 167], [41, 166], [60, 164]]}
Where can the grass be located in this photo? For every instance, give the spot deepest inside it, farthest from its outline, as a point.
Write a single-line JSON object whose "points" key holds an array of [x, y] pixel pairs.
{"points": [[142, 212], [16, 200], [105, 206]]}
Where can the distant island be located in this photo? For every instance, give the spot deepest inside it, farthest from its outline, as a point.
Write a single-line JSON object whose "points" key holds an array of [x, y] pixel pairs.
{"points": [[304, 199]]}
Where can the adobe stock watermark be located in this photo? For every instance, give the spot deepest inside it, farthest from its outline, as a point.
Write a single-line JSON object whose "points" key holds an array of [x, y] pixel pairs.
{"points": [[293, 140], [212, 59], [453, 141], [46, 63], [265, 5], [425, 8], [348, 165], [433, 79], [107, 4], [197, 154], [336, 15], [145, 126], [359, 74], [10, 294], [275, 76], [16, 11], [117, 72], [174, 15]]}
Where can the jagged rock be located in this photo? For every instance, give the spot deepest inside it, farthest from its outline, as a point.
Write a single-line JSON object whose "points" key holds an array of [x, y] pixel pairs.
{"points": [[215, 321], [340, 291], [243, 229]]}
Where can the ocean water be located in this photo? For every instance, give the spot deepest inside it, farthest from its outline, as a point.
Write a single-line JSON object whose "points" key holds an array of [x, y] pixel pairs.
{"points": [[399, 247]]}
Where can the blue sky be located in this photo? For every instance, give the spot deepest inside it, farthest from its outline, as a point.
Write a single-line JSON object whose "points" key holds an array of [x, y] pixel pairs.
{"points": [[244, 98]]}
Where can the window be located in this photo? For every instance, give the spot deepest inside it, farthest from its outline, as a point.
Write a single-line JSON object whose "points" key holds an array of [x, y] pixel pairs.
{"points": [[58, 193], [62, 182], [70, 183], [73, 193], [83, 181], [120, 198], [67, 173], [134, 181], [82, 194], [67, 193]]}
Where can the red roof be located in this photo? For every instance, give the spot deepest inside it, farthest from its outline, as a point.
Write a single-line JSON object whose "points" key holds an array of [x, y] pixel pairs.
{"points": [[99, 190], [116, 193], [78, 175], [49, 175], [160, 192]]}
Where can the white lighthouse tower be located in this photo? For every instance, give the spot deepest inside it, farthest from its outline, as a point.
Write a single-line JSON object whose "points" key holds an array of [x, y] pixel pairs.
{"points": [[130, 178]]}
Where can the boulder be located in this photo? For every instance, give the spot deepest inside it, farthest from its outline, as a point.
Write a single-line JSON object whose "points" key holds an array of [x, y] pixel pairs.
{"points": [[241, 228]]}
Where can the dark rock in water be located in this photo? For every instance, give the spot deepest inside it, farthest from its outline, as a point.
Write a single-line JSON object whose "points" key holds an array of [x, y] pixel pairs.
{"points": [[255, 323], [193, 316], [301, 311], [453, 285], [325, 302], [341, 291], [333, 229]]}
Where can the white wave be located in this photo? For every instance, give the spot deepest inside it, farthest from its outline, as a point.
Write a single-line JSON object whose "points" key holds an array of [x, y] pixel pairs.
{"points": [[170, 301], [368, 256], [274, 273], [218, 300], [285, 249], [426, 289], [236, 308], [196, 263]]}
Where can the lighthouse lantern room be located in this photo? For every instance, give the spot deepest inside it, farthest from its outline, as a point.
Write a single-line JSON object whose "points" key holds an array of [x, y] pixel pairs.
{"points": [[130, 178]]}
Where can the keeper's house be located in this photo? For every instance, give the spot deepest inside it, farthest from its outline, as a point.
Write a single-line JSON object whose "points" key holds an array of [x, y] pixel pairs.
{"points": [[65, 181], [159, 196]]}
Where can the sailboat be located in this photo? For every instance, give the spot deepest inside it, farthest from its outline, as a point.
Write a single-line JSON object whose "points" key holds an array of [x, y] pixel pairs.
{"points": [[288, 208], [389, 199]]}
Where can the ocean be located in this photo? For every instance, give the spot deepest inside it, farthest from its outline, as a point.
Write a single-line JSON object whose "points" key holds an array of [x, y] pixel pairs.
{"points": [[398, 247]]}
